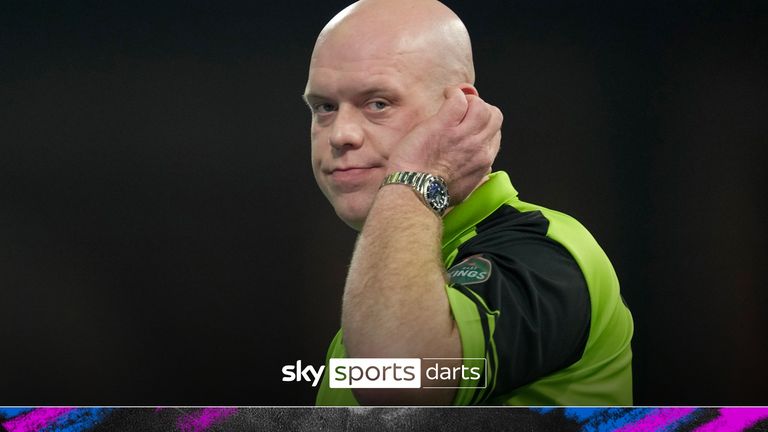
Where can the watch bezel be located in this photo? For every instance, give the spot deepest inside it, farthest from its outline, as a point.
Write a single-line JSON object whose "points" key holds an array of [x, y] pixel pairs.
{"points": [[440, 203]]}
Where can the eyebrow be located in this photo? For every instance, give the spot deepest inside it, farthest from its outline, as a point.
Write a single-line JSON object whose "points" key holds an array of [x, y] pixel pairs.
{"points": [[306, 97], [365, 93]]}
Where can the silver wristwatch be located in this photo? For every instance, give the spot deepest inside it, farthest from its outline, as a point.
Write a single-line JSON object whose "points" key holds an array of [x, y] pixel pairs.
{"points": [[431, 189]]}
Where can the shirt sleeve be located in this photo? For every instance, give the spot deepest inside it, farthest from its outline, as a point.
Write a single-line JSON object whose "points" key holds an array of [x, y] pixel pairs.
{"points": [[531, 304]]}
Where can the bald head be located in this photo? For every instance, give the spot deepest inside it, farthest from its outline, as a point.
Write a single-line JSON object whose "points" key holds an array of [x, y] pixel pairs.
{"points": [[425, 30]]}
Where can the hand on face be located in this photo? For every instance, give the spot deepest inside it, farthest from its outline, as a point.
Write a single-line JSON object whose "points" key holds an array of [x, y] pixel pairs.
{"points": [[458, 143]]}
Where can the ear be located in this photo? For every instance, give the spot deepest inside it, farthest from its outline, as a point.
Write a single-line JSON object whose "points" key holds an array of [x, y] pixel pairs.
{"points": [[468, 89]]}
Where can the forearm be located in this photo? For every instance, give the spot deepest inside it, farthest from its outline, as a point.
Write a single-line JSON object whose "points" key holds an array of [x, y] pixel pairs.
{"points": [[395, 304]]}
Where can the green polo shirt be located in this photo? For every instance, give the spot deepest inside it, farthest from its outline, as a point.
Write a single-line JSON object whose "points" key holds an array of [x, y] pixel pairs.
{"points": [[534, 294]]}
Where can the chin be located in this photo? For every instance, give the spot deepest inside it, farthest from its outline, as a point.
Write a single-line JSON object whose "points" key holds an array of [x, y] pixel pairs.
{"points": [[354, 220], [353, 212]]}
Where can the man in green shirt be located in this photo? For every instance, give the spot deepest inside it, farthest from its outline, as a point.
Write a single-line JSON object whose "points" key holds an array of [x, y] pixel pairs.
{"points": [[449, 262]]}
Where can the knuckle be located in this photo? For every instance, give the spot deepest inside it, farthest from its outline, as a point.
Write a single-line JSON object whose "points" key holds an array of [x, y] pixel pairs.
{"points": [[498, 113]]}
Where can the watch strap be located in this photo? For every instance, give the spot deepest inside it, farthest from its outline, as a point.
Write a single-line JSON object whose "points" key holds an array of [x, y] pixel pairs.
{"points": [[419, 182], [415, 179]]}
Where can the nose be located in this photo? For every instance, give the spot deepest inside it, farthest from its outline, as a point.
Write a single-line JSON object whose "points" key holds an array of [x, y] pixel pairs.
{"points": [[346, 131]]}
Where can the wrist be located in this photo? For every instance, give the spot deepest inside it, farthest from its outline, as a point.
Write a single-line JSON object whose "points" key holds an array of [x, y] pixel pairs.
{"points": [[431, 189]]}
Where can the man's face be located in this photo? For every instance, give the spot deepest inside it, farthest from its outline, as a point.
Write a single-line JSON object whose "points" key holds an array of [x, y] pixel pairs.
{"points": [[363, 101]]}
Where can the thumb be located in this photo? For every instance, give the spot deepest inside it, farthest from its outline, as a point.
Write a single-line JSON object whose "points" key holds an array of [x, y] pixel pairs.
{"points": [[454, 107]]}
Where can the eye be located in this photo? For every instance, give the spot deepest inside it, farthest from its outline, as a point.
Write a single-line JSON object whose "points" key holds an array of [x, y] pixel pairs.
{"points": [[323, 108], [378, 105]]}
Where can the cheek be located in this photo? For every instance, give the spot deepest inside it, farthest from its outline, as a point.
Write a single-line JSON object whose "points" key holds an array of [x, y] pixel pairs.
{"points": [[317, 162], [316, 148], [390, 135]]}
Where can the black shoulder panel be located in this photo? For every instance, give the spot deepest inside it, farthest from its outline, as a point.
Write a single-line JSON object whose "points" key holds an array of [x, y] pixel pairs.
{"points": [[537, 292]]}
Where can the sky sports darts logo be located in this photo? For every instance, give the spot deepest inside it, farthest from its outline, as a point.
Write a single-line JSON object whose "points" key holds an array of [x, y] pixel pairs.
{"points": [[394, 373]]}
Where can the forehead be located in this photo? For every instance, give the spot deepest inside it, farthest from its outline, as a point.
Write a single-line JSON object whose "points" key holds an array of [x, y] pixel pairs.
{"points": [[353, 66], [353, 79]]}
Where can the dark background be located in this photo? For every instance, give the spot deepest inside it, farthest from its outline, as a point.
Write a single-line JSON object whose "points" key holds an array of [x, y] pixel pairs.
{"points": [[162, 240]]}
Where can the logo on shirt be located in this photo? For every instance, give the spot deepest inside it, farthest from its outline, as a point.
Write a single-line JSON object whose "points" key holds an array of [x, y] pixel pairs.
{"points": [[472, 270]]}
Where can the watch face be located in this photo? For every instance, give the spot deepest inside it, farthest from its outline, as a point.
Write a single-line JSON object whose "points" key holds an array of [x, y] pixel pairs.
{"points": [[437, 195]]}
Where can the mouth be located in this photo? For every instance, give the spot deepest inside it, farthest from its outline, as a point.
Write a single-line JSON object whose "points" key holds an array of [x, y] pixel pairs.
{"points": [[349, 169], [351, 174]]}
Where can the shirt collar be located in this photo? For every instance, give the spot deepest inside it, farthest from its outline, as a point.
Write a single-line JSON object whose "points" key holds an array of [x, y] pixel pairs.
{"points": [[486, 199]]}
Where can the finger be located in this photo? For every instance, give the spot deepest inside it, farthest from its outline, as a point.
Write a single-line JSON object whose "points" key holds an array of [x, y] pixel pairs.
{"points": [[495, 120], [454, 107], [478, 116], [494, 144]]}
